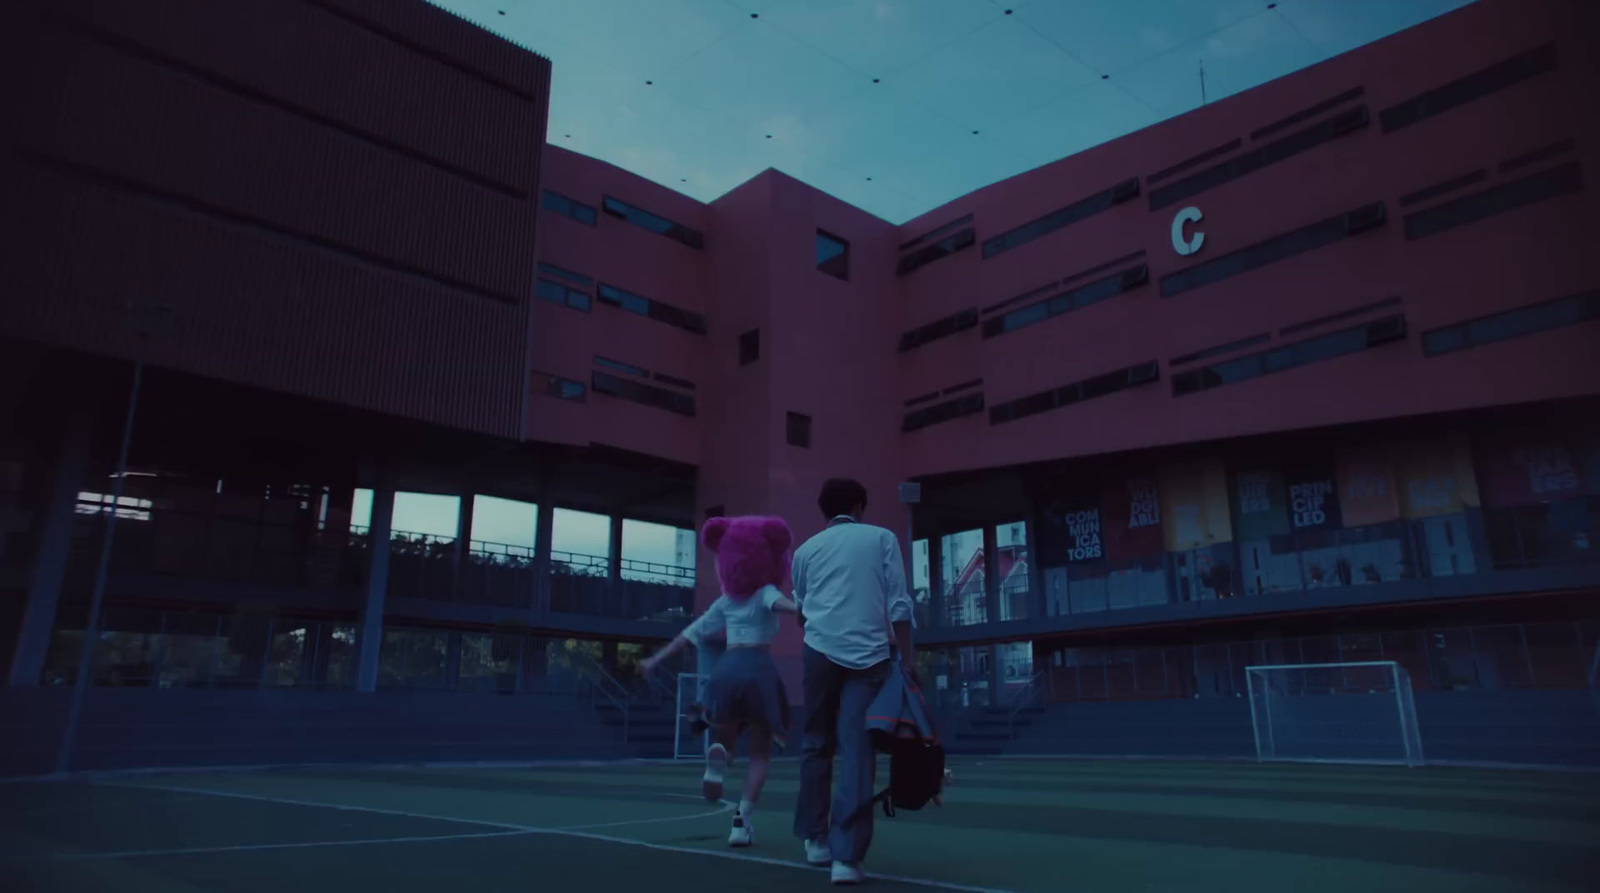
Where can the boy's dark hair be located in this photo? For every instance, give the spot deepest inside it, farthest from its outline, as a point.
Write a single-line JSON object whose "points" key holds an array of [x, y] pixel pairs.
{"points": [[841, 496]]}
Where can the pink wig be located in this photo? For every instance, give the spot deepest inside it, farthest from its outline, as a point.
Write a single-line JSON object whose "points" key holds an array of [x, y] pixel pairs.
{"points": [[752, 551]]}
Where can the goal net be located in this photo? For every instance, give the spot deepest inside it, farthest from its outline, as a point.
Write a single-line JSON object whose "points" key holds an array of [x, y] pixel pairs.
{"points": [[1337, 713], [686, 744]]}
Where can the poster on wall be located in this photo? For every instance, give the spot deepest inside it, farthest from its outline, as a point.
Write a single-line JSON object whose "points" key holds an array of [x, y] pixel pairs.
{"points": [[1313, 494], [1070, 531], [1263, 507], [1194, 505], [1524, 468], [1132, 518], [1367, 492], [1436, 477]]}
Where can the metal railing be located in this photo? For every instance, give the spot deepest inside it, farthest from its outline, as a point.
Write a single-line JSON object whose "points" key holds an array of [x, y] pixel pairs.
{"points": [[602, 685], [1023, 698]]}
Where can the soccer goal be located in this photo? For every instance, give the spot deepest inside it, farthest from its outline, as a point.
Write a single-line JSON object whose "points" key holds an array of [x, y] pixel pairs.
{"points": [[685, 744], [1334, 713]]}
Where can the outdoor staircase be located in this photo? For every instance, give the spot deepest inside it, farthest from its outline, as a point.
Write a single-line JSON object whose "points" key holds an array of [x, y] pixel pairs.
{"points": [[649, 730], [988, 731]]}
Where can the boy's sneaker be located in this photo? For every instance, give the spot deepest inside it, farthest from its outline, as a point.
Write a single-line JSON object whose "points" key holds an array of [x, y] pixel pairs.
{"points": [[845, 874], [742, 834], [716, 764], [818, 854]]}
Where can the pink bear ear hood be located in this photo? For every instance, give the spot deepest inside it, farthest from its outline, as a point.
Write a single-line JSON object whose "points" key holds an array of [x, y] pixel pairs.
{"points": [[752, 551]]}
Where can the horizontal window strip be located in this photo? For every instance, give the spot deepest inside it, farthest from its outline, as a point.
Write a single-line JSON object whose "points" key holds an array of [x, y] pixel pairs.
{"points": [[1519, 323], [1194, 162], [1290, 356], [939, 413], [937, 251], [936, 233], [548, 385], [1068, 395], [568, 207], [1030, 293], [1277, 248], [1257, 159], [1341, 316], [1447, 186], [653, 222], [1079, 210], [964, 386], [1067, 301], [1307, 114], [1497, 200], [564, 273], [1543, 153], [556, 293], [673, 380], [939, 328], [925, 398], [1220, 349], [652, 308], [619, 366], [1081, 274], [639, 392], [1474, 86]]}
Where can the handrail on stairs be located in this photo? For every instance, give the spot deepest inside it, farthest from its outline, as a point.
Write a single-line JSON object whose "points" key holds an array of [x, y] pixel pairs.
{"points": [[617, 694], [1024, 698]]}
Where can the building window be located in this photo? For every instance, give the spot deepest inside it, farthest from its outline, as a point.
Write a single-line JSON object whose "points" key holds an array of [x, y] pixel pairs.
{"points": [[799, 430], [939, 328], [652, 308], [619, 366], [1079, 210], [1278, 248], [558, 387], [569, 207], [833, 255], [1510, 324], [1077, 392], [556, 293], [1301, 353], [939, 250], [652, 222], [1067, 301], [577, 279], [947, 411], [639, 392], [749, 347], [673, 380]]}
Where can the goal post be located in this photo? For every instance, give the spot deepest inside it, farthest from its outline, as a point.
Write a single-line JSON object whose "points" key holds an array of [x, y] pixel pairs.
{"points": [[685, 744], [1361, 712]]}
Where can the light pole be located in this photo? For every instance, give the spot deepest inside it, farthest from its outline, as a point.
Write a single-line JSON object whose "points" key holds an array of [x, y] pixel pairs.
{"points": [[145, 317]]}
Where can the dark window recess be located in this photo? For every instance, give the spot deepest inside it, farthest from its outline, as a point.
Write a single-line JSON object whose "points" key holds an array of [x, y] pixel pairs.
{"points": [[964, 386], [833, 255], [1030, 293], [1438, 189], [1084, 208], [717, 511], [925, 398], [936, 233], [1194, 162], [1523, 321], [1289, 356], [639, 392], [1075, 299], [948, 411], [1220, 349], [556, 293], [650, 307], [673, 380], [945, 247], [1077, 392], [1306, 114], [564, 273], [797, 430], [749, 347], [558, 387], [1277, 248], [1463, 90], [1081, 274], [652, 222], [1258, 158], [619, 366], [939, 328], [1341, 316], [1543, 153], [568, 207], [1494, 201]]}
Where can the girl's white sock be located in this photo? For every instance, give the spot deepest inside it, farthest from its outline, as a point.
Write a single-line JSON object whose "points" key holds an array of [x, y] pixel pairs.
{"points": [[746, 808]]}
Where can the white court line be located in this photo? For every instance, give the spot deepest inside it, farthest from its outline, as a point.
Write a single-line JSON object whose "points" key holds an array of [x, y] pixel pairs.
{"points": [[566, 832]]}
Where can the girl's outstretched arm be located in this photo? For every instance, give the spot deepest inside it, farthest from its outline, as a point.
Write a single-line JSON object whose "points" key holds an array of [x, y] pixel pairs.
{"points": [[786, 606], [649, 664], [711, 620]]}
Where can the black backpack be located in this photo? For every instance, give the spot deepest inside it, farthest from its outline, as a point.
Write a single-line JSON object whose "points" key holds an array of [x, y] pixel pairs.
{"points": [[900, 725]]}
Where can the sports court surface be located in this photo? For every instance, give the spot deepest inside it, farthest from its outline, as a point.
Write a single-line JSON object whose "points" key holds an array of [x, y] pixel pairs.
{"points": [[1036, 826]]}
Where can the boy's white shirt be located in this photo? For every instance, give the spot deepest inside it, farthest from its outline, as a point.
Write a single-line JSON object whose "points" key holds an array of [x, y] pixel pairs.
{"points": [[847, 578]]}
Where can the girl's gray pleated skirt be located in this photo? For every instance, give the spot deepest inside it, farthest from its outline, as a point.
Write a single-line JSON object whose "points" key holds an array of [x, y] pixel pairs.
{"points": [[745, 690]]}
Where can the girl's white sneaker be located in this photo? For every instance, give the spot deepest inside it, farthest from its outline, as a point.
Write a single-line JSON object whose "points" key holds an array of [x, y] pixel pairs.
{"points": [[716, 765]]}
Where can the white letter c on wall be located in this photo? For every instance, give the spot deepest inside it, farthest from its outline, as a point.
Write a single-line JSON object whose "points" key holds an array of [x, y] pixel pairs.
{"points": [[1187, 246]]}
